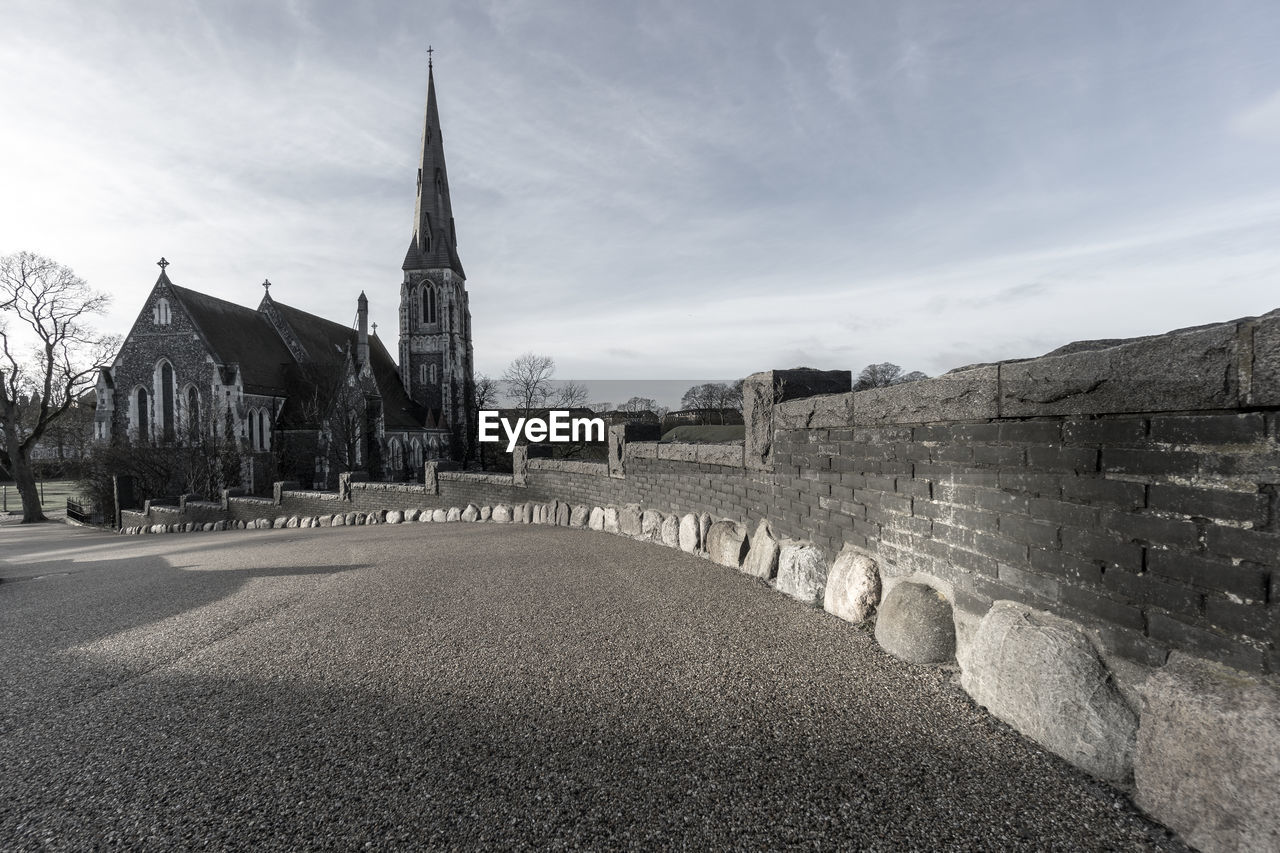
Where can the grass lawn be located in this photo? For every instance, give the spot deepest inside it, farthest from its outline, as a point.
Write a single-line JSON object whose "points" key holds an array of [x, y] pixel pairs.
{"points": [[55, 495]]}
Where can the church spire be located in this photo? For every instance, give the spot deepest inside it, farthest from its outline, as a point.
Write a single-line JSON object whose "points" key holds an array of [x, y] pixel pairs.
{"points": [[434, 244]]}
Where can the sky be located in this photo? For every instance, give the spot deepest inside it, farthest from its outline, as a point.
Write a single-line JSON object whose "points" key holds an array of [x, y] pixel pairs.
{"points": [[667, 189]]}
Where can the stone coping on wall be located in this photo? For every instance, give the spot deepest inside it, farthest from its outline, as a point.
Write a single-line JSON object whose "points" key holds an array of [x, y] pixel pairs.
{"points": [[572, 466], [474, 477], [315, 495], [372, 487], [728, 454], [1232, 365]]}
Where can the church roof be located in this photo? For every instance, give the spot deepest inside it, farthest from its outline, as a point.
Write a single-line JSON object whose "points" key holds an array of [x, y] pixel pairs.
{"points": [[318, 335], [239, 335]]}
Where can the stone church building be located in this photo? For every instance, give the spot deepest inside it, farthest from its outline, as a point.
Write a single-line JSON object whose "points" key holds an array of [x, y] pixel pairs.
{"points": [[304, 397]]}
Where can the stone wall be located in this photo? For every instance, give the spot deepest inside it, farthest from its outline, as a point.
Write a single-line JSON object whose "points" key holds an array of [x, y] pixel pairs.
{"points": [[1106, 512]]}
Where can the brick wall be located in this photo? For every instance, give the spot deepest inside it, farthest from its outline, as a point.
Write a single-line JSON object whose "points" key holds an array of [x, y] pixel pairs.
{"points": [[1160, 532], [1131, 488]]}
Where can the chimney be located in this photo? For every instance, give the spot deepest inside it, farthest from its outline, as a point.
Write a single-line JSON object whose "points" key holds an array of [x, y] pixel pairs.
{"points": [[362, 343]]}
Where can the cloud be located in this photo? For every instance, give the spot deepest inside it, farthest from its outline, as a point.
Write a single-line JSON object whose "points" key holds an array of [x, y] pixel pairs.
{"points": [[1260, 121]]}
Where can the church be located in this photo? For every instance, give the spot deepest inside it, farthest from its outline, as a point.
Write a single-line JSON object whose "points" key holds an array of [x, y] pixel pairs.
{"points": [[299, 396]]}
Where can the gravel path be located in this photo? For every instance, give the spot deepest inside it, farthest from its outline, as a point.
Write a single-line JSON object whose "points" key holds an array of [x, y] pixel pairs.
{"points": [[481, 686]]}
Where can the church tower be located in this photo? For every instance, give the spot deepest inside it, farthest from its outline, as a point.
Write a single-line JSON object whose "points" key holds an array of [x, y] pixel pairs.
{"points": [[435, 320]]}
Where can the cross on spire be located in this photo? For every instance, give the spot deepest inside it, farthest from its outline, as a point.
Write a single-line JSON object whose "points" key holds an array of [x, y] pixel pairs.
{"points": [[266, 285], [162, 263], [375, 328], [430, 50]]}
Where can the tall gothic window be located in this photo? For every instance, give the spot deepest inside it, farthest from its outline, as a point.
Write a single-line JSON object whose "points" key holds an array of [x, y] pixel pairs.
{"points": [[262, 430], [429, 310], [193, 410], [143, 431], [167, 418], [161, 314]]}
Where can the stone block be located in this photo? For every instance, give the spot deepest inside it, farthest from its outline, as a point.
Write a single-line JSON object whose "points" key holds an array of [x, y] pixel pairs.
{"points": [[825, 411], [595, 520], [762, 553], [470, 513], [729, 455], [651, 525], [520, 465], [642, 450], [690, 537], [678, 452], [727, 543], [761, 394], [669, 535], [502, 514], [629, 522], [486, 513], [579, 516], [395, 516], [439, 515], [802, 572], [853, 586], [1264, 379], [704, 527], [617, 441], [611, 520], [1208, 755], [453, 514], [963, 395], [1184, 370], [564, 514], [1041, 675], [915, 624]]}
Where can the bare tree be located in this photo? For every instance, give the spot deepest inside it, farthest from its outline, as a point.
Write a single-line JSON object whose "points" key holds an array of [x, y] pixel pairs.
{"points": [[528, 380], [484, 395], [714, 398], [638, 404], [571, 395], [51, 356], [883, 375], [485, 391]]}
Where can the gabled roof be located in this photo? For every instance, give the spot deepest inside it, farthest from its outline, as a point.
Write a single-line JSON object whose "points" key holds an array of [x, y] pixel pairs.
{"points": [[319, 335], [239, 335]]}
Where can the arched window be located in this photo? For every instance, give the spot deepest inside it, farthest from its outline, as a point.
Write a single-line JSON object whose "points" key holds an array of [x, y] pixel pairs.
{"points": [[393, 451], [417, 453], [166, 395], [192, 404], [263, 435], [429, 307], [161, 315], [143, 416]]}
